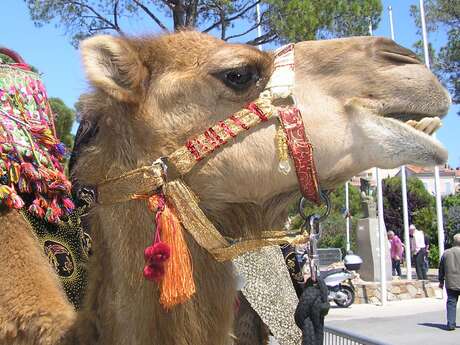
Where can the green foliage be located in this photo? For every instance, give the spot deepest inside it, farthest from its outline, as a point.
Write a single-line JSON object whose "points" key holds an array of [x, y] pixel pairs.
{"points": [[420, 205], [433, 256], [300, 20], [451, 200], [452, 223], [64, 118], [444, 15], [281, 20]]}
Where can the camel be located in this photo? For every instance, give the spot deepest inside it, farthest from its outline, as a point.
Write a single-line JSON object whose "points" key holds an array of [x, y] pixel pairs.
{"points": [[149, 95]]}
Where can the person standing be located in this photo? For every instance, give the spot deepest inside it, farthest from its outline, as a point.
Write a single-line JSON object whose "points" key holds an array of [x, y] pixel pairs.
{"points": [[418, 250], [449, 276], [396, 251]]}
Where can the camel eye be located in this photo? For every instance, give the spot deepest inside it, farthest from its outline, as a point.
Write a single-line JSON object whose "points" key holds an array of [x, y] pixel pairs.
{"points": [[239, 79]]}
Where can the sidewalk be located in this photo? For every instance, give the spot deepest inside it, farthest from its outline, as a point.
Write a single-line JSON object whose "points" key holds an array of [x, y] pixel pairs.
{"points": [[391, 309], [408, 322]]}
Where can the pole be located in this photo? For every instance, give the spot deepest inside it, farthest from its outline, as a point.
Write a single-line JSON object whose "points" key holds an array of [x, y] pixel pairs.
{"points": [[403, 187], [347, 207], [382, 232], [406, 224], [259, 27], [382, 239], [437, 182], [392, 31]]}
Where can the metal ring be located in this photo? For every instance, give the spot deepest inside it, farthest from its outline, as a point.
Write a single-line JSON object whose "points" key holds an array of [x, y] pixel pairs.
{"points": [[325, 198]]}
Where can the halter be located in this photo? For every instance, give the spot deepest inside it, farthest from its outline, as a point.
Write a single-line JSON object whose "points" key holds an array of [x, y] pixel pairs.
{"points": [[166, 173]]}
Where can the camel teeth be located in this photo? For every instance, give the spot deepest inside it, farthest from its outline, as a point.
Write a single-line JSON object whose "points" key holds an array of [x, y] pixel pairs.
{"points": [[426, 125]]}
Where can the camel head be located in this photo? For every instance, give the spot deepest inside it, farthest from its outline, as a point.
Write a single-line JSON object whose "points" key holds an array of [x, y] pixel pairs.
{"points": [[152, 94]]}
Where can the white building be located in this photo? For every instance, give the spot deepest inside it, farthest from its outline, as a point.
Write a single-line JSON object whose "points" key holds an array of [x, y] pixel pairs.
{"points": [[370, 175], [449, 178]]}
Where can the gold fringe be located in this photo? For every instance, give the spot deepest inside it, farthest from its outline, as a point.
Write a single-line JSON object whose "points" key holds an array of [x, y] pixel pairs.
{"points": [[208, 237]]}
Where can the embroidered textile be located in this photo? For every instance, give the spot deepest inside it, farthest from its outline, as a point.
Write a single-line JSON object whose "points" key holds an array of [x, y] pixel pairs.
{"points": [[31, 174]]}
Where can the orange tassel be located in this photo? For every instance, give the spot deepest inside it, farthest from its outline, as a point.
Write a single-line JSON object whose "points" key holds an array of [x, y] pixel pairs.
{"points": [[177, 285]]}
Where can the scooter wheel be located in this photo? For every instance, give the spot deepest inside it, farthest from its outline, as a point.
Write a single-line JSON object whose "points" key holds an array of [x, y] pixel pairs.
{"points": [[345, 303]]}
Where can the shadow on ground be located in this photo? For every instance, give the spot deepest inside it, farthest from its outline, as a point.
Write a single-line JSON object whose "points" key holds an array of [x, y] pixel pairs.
{"points": [[435, 325]]}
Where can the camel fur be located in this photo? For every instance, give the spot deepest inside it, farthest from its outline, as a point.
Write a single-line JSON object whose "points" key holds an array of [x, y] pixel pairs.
{"points": [[148, 96]]}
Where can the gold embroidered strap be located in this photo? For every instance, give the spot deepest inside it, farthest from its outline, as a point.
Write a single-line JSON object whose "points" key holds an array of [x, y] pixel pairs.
{"points": [[123, 188], [146, 179], [207, 236], [185, 158], [192, 217]]}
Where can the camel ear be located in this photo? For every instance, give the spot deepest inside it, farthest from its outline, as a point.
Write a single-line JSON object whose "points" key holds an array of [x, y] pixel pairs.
{"points": [[113, 65]]}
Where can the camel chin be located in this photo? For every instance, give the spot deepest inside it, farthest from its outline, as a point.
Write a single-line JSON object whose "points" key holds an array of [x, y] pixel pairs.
{"points": [[407, 142]]}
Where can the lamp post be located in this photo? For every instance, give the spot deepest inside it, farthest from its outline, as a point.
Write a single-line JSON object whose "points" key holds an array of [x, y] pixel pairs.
{"points": [[437, 183], [347, 208], [382, 232], [403, 186]]}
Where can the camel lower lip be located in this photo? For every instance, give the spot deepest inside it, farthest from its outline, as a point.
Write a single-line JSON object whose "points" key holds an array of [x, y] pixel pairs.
{"points": [[419, 147]]}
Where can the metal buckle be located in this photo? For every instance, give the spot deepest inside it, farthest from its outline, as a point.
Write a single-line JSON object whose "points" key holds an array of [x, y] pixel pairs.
{"points": [[313, 223], [325, 198], [162, 163]]}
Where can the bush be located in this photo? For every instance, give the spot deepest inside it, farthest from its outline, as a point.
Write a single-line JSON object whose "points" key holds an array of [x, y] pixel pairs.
{"points": [[433, 256]]}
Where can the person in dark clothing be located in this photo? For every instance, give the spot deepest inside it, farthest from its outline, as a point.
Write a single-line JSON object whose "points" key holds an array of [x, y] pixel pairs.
{"points": [[449, 276], [418, 250]]}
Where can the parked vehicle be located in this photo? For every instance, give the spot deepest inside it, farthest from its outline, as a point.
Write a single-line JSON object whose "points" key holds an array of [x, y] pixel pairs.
{"points": [[342, 294]]}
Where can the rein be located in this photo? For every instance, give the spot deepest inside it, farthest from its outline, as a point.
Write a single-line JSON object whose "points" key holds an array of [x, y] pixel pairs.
{"points": [[176, 205]]}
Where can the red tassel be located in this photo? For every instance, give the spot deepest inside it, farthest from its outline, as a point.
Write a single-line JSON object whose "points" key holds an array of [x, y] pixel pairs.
{"points": [[154, 272], [157, 253], [169, 262], [36, 209]]}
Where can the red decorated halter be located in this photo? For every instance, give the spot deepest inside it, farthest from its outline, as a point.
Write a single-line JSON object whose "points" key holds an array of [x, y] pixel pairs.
{"points": [[300, 148]]}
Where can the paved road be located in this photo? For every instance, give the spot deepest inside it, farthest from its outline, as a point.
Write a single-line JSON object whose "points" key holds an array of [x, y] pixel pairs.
{"points": [[410, 322], [413, 322]]}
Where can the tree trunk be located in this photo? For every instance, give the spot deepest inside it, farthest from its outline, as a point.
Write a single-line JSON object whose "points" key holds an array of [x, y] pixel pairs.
{"points": [[192, 14], [179, 15]]}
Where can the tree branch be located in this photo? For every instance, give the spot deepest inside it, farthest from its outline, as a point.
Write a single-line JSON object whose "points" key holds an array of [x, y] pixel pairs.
{"points": [[265, 38], [255, 26], [241, 34], [151, 15], [223, 24], [115, 14], [98, 15], [227, 20]]}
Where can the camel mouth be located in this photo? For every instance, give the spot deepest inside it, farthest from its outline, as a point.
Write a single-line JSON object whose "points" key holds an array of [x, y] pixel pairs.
{"points": [[413, 133], [427, 125]]}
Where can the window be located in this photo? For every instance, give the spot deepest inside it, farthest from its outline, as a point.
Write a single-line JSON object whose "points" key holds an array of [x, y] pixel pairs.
{"points": [[448, 188]]}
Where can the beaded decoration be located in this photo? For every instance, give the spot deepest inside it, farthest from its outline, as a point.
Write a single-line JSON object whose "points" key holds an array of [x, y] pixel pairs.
{"points": [[31, 174]]}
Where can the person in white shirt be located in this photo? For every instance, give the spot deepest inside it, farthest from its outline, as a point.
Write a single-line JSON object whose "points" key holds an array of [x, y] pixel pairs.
{"points": [[418, 250]]}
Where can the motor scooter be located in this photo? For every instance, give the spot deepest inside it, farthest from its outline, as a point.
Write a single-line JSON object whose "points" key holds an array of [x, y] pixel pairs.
{"points": [[342, 294]]}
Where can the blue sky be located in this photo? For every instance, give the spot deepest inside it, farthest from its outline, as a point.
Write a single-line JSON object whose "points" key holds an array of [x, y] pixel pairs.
{"points": [[48, 49]]}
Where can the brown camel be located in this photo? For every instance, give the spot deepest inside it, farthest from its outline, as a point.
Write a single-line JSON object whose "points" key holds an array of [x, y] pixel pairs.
{"points": [[149, 96]]}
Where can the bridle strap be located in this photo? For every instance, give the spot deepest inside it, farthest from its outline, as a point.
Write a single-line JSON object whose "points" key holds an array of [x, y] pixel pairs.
{"points": [[149, 178], [301, 151], [204, 232]]}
